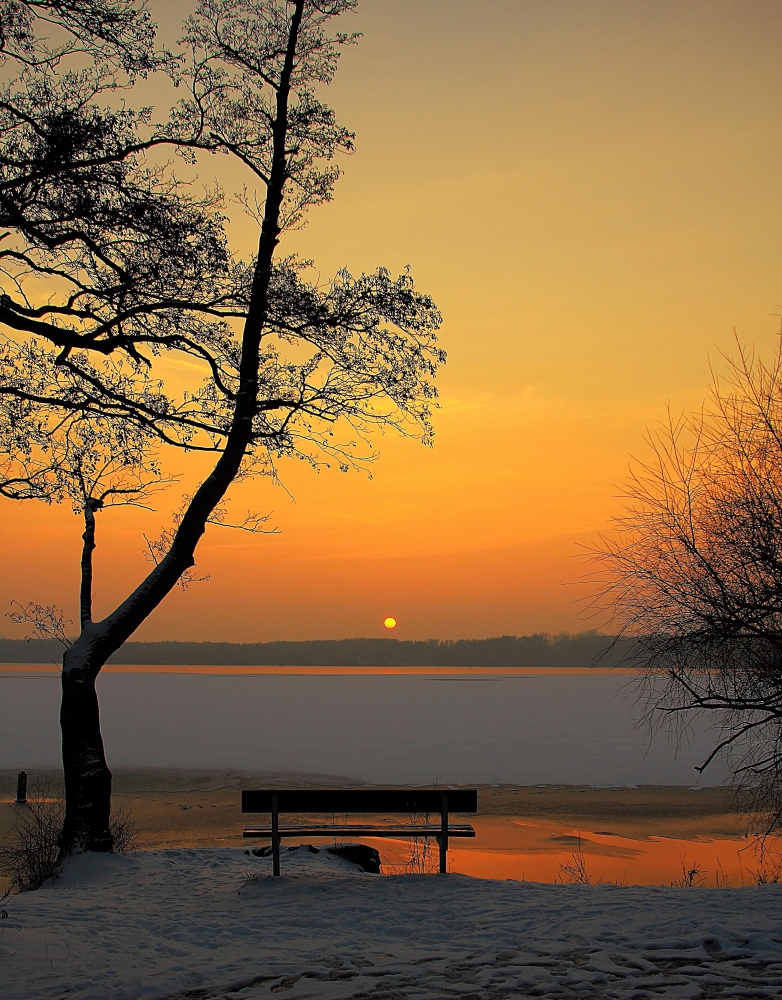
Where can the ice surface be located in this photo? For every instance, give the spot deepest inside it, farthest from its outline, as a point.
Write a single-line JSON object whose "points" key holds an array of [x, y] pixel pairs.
{"points": [[391, 729]]}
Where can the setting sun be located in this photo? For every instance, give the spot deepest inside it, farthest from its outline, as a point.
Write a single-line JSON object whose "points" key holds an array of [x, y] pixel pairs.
{"points": [[390, 622]]}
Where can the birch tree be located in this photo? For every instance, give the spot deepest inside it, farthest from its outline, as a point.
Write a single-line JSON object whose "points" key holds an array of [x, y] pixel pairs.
{"points": [[114, 262]]}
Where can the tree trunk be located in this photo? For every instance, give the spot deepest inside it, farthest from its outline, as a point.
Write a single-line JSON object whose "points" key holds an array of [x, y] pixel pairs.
{"points": [[91, 504], [87, 775]]}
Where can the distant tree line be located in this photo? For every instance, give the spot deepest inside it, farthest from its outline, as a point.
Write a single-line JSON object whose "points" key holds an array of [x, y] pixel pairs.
{"points": [[585, 649]]}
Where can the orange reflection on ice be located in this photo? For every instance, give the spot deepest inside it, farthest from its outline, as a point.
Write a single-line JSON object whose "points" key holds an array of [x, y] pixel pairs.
{"points": [[548, 852]]}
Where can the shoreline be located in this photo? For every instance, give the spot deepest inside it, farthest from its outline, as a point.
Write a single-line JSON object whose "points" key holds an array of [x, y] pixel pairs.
{"points": [[633, 835], [646, 810]]}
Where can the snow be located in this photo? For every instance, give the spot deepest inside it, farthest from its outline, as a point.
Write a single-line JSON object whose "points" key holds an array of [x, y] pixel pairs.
{"points": [[188, 924]]}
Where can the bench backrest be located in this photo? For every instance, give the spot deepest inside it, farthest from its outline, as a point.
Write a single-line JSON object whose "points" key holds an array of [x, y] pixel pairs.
{"points": [[360, 800]]}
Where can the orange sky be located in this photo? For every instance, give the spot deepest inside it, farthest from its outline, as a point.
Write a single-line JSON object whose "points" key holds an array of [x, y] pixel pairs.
{"points": [[590, 191]]}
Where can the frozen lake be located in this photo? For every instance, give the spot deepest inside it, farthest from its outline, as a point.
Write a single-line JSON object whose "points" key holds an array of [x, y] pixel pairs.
{"points": [[403, 726]]}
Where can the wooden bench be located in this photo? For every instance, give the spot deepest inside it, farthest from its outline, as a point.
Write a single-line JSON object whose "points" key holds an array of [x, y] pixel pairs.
{"points": [[376, 801]]}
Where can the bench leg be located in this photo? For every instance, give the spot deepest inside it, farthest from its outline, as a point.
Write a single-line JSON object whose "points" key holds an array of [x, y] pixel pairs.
{"points": [[443, 838], [275, 836]]}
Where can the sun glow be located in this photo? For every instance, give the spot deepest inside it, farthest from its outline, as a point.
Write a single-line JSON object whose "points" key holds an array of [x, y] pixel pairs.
{"points": [[390, 622]]}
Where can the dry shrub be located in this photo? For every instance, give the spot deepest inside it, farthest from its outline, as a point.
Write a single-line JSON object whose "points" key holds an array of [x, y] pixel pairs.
{"points": [[123, 831], [692, 876], [768, 870], [575, 871], [31, 856]]}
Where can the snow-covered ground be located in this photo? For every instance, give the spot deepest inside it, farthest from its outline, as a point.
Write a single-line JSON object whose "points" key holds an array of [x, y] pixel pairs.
{"points": [[187, 924]]}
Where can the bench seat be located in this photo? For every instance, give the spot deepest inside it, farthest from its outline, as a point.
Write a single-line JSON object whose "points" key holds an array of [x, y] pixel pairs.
{"points": [[354, 830]]}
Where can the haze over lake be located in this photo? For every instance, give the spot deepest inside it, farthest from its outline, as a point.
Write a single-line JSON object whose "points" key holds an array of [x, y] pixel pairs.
{"points": [[419, 726]]}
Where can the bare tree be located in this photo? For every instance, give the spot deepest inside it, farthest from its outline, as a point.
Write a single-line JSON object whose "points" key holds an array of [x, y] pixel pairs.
{"points": [[694, 573], [114, 264]]}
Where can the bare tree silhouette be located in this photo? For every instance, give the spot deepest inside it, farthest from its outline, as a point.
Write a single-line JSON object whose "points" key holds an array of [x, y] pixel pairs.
{"points": [[115, 268], [694, 573]]}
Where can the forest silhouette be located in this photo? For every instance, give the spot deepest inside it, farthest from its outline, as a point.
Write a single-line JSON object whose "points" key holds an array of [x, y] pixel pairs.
{"points": [[585, 649]]}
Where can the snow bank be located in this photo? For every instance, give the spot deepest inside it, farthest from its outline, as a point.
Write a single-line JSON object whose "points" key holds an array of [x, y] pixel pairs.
{"points": [[187, 924]]}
